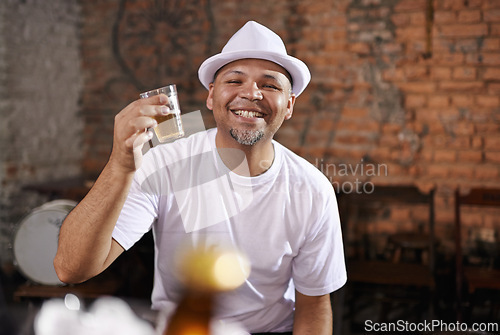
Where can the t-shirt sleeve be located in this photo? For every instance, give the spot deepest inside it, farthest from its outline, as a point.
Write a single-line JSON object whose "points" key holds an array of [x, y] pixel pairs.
{"points": [[319, 267]]}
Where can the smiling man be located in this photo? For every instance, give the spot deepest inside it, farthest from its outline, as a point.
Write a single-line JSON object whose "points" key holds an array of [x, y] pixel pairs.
{"points": [[233, 185], [250, 99]]}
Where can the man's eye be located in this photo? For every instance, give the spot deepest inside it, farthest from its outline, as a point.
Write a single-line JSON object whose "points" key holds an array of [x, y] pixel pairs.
{"points": [[234, 81], [273, 87]]}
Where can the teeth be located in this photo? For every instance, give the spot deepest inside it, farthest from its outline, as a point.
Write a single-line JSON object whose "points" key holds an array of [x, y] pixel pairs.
{"points": [[248, 114]]}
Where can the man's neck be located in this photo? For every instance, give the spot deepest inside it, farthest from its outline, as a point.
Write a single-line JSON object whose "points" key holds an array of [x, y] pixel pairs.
{"points": [[259, 156]]}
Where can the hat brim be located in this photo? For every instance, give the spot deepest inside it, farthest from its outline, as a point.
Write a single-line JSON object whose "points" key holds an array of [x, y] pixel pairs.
{"points": [[298, 70]]}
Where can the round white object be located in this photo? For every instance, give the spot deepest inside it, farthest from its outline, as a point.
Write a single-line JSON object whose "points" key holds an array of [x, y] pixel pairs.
{"points": [[35, 242]]}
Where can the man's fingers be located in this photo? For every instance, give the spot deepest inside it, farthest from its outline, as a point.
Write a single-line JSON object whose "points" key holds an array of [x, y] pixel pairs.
{"points": [[143, 122], [160, 99], [153, 110], [138, 139]]}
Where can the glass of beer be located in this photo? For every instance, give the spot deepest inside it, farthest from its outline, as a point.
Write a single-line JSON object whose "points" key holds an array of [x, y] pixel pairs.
{"points": [[170, 125]]}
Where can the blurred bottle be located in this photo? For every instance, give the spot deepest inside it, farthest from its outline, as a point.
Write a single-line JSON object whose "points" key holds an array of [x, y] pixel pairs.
{"points": [[192, 316], [205, 273]]}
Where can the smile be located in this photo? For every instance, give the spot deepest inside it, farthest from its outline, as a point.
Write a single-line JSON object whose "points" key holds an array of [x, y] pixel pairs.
{"points": [[248, 114]]}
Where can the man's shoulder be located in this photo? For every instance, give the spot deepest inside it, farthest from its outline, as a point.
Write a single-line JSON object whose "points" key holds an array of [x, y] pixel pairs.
{"points": [[303, 170]]}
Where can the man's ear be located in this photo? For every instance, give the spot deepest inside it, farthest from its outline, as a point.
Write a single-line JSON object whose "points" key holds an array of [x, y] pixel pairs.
{"points": [[210, 100], [289, 108]]}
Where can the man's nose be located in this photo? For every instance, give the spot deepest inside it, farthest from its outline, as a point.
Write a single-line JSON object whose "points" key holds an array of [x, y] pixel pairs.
{"points": [[251, 92]]}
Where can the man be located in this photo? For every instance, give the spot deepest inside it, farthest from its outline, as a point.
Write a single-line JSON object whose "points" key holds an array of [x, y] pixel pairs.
{"points": [[230, 185]]}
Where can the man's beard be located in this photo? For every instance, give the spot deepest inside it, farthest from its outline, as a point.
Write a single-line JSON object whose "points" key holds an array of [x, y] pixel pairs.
{"points": [[246, 137]]}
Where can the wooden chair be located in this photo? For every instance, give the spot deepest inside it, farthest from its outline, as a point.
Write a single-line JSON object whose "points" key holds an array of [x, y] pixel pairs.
{"points": [[468, 277], [382, 276]]}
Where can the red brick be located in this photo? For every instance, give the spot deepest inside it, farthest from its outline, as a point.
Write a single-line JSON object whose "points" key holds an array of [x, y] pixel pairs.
{"points": [[487, 172], [352, 137], [416, 72], [490, 4], [317, 138], [427, 155], [472, 156], [462, 100], [477, 142], [451, 113], [450, 4], [347, 151], [400, 19], [354, 124], [492, 73], [410, 5], [410, 33], [474, 3], [492, 15], [441, 17], [427, 115], [418, 87], [323, 124], [415, 100], [381, 12], [360, 48], [491, 44], [495, 29], [439, 101], [462, 171], [464, 30], [438, 170], [391, 128], [464, 128], [469, 86], [390, 48], [418, 19], [482, 117], [467, 44], [394, 74], [435, 127], [381, 154], [445, 156], [464, 73], [485, 126], [440, 73], [449, 59], [493, 88], [459, 142], [469, 16], [389, 140], [493, 157], [355, 112], [484, 58], [492, 142], [488, 101]]}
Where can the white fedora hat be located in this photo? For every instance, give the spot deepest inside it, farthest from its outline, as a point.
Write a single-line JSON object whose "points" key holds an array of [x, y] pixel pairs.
{"points": [[254, 40]]}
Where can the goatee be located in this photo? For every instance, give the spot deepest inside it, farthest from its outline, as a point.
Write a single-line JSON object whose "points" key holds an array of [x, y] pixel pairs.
{"points": [[246, 137]]}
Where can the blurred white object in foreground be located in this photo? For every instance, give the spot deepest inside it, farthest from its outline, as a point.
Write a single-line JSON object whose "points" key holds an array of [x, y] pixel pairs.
{"points": [[107, 316]]}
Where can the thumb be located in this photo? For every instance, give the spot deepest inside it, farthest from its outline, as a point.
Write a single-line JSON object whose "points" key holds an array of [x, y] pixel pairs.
{"points": [[139, 142]]}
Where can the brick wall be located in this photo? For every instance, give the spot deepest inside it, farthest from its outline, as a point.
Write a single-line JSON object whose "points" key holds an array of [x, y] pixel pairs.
{"points": [[40, 85], [403, 91]]}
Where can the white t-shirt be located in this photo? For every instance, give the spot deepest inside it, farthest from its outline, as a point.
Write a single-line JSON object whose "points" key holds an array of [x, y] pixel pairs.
{"points": [[285, 220]]}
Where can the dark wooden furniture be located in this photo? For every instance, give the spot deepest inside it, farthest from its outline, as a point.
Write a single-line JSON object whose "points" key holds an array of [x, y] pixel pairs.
{"points": [[473, 278], [380, 277], [92, 289], [74, 188]]}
